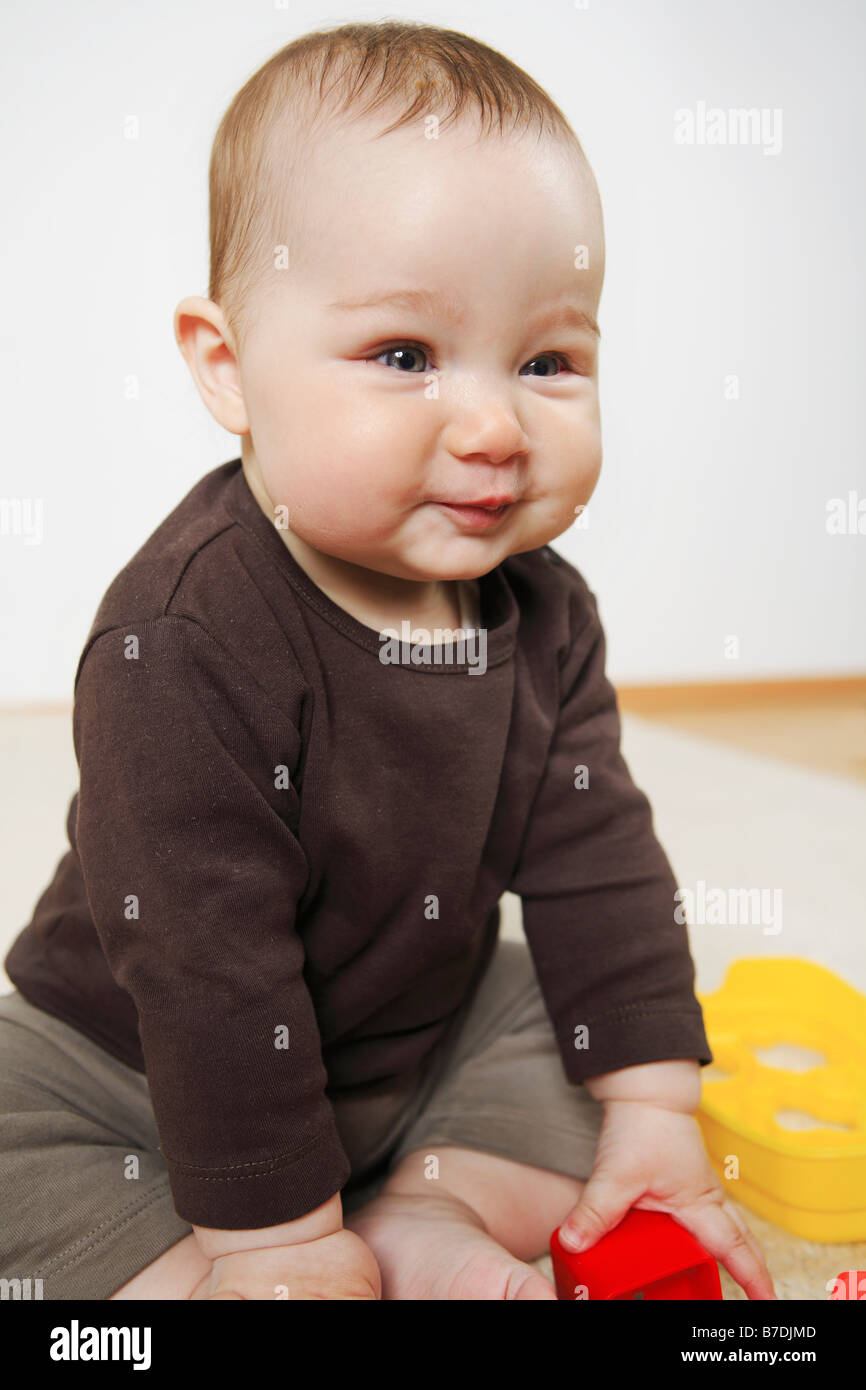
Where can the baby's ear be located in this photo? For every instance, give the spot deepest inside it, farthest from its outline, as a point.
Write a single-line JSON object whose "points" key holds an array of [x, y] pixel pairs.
{"points": [[207, 346]]}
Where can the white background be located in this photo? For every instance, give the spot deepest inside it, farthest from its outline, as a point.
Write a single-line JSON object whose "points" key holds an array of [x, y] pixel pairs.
{"points": [[710, 517]]}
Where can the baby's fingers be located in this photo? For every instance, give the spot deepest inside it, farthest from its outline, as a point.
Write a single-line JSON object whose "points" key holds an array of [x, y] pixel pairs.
{"points": [[722, 1231]]}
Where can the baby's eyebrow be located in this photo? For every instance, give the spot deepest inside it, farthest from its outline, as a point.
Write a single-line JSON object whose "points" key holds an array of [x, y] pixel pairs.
{"points": [[431, 302], [425, 301], [567, 316]]}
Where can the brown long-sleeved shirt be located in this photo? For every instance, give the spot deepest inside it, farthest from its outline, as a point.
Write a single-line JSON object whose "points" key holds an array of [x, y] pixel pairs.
{"points": [[286, 855]]}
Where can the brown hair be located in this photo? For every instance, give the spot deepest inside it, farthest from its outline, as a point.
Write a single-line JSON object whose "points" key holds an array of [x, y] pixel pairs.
{"points": [[345, 71]]}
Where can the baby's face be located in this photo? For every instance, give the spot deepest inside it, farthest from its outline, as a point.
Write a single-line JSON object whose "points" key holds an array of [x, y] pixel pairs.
{"points": [[480, 382]]}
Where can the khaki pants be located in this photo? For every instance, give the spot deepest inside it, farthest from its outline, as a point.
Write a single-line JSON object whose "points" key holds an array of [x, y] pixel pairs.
{"points": [[70, 1114]]}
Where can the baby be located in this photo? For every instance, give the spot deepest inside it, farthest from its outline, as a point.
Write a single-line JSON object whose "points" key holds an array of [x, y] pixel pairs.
{"points": [[294, 832]]}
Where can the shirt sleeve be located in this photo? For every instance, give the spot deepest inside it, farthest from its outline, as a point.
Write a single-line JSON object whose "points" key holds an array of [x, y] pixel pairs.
{"points": [[186, 836], [597, 889]]}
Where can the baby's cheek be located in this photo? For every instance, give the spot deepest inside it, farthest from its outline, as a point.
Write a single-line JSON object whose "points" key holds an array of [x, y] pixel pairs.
{"points": [[587, 462], [339, 503]]}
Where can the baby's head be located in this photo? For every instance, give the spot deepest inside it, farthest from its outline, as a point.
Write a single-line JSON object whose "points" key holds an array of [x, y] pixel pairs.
{"points": [[407, 255]]}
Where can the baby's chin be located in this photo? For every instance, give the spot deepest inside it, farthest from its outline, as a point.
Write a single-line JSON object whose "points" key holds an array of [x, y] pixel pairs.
{"points": [[442, 563], [472, 557], [423, 564], [437, 553]]}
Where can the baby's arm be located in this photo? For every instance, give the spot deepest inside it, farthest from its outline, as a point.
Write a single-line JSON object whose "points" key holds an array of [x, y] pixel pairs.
{"points": [[676, 1085], [178, 808], [310, 1258]]}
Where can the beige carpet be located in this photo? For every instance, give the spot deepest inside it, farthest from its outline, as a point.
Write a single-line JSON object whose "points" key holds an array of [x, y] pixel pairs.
{"points": [[728, 818]]}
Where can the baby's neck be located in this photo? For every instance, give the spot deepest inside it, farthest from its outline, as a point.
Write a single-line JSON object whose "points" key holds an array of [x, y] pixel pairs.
{"points": [[439, 608]]}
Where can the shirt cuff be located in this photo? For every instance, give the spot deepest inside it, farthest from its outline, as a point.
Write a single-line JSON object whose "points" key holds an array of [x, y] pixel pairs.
{"points": [[246, 1196], [633, 1035]]}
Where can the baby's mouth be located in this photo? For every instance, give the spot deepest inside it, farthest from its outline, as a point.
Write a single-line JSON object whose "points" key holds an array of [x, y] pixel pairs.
{"points": [[478, 513], [474, 516]]}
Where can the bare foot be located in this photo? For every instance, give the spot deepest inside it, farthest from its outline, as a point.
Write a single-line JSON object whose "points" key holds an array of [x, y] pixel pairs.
{"points": [[434, 1247]]}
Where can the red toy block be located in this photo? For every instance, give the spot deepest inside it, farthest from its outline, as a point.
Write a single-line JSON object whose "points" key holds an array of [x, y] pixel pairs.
{"points": [[648, 1255]]}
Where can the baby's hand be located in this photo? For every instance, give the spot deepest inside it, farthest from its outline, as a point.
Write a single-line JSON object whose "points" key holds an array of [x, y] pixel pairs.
{"points": [[336, 1266], [654, 1158]]}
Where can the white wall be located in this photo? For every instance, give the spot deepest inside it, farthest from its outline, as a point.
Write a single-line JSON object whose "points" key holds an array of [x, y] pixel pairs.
{"points": [[710, 517]]}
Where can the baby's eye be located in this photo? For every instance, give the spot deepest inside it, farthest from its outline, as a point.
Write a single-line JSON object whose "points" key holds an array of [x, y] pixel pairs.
{"points": [[557, 357], [412, 358], [404, 354]]}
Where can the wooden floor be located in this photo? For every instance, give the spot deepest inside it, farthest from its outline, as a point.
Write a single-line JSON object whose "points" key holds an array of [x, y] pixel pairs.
{"points": [[821, 725]]}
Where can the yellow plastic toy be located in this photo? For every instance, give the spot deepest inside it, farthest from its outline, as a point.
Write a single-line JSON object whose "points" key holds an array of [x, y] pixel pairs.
{"points": [[809, 1181]]}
